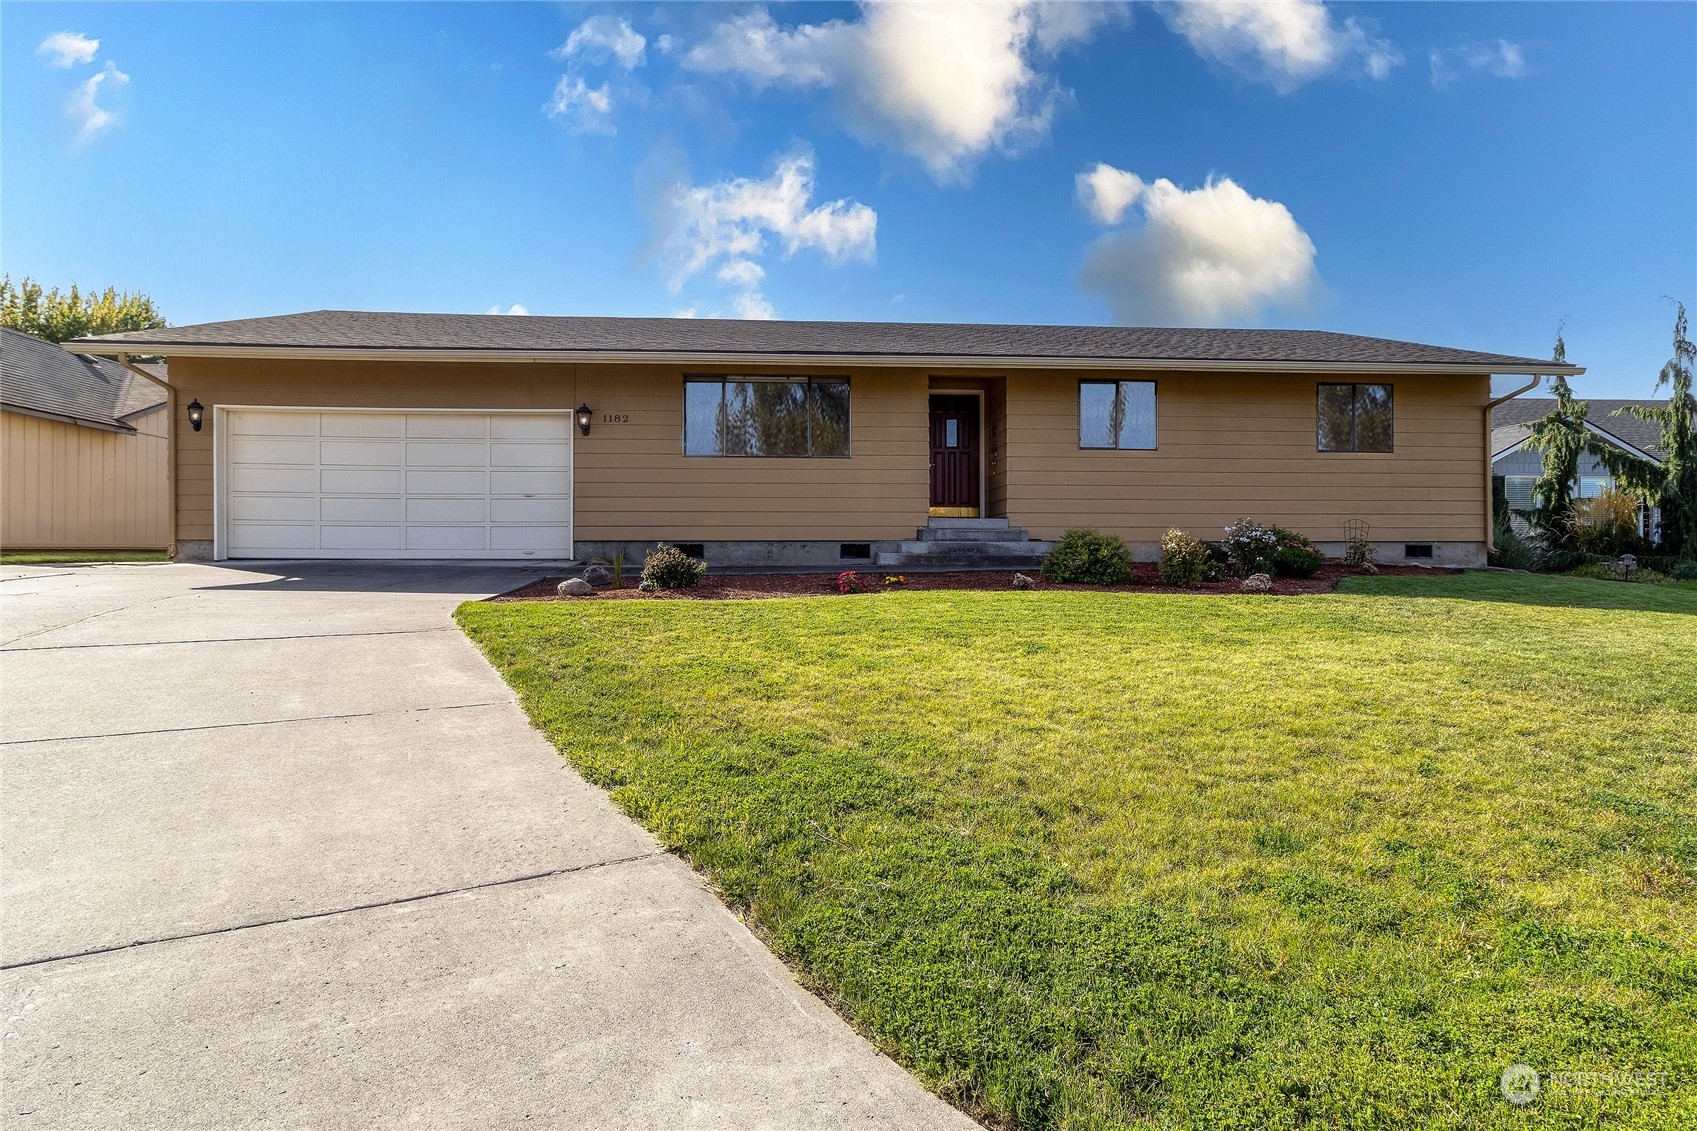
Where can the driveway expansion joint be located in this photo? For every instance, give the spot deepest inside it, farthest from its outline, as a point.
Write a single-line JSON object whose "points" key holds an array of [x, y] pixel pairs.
{"points": [[256, 723], [215, 639], [335, 912]]}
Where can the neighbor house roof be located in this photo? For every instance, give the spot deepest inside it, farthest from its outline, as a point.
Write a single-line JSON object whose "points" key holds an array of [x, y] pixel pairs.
{"points": [[331, 333], [38, 378], [1511, 424]]}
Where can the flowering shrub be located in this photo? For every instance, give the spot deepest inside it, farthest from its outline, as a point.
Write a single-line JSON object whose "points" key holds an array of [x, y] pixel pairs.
{"points": [[668, 567], [895, 581], [1088, 557], [1296, 556], [849, 581], [1184, 559], [1250, 546]]}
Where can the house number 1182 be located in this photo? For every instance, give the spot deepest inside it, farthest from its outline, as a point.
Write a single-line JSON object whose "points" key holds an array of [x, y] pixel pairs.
{"points": [[615, 418]]}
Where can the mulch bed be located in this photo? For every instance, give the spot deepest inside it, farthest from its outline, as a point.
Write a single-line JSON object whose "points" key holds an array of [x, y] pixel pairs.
{"points": [[743, 587]]}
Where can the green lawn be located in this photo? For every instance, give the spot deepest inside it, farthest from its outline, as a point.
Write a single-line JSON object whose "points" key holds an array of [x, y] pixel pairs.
{"points": [[1106, 860], [78, 557]]}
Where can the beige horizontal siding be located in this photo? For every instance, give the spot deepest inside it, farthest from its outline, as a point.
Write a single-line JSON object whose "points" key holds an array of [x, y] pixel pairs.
{"points": [[72, 488], [1228, 446]]}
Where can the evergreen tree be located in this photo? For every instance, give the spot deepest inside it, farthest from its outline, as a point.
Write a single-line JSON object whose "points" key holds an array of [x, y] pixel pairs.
{"points": [[1562, 437], [1671, 486]]}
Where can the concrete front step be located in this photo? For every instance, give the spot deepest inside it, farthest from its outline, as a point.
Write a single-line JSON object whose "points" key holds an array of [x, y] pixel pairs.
{"points": [[960, 549], [968, 523], [956, 534]]}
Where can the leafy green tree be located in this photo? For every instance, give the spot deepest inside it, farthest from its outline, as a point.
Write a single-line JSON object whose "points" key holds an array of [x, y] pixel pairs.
{"points": [[1672, 485], [59, 316], [1562, 437]]}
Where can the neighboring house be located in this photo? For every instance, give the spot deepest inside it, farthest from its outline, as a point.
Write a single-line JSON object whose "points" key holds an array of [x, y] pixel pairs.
{"points": [[85, 452], [1518, 464], [341, 434]]}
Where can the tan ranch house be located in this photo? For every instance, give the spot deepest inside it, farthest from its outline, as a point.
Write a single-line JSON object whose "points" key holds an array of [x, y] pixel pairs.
{"points": [[344, 434]]}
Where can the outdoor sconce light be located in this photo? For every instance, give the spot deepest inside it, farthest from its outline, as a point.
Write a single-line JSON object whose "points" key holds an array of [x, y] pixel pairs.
{"points": [[197, 414], [583, 415]]}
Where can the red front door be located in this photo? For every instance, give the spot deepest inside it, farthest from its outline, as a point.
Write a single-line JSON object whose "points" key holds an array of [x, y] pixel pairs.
{"points": [[955, 464]]}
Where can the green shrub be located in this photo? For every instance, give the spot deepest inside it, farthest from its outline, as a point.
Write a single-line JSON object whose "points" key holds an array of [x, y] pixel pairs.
{"points": [[1296, 555], [1250, 546], [1684, 570], [668, 567], [1184, 559], [1088, 557], [1513, 551]]}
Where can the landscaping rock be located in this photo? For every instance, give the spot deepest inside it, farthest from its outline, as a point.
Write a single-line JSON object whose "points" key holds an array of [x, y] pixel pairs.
{"points": [[1020, 581], [599, 575], [1258, 583], [576, 587]]}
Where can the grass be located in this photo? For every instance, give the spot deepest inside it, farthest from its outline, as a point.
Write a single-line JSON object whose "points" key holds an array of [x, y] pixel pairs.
{"points": [[1087, 860], [78, 557]]}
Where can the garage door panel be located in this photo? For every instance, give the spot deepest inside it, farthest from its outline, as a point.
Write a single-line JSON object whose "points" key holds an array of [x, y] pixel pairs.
{"points": [[361, 537], [528, 455], [273, 508], [360, 453], [363, 481], [273, 424], [529, 511], [448, 425], [447, 538], [362, 510], [445, 483], [447, 454], [274, 480], [529, 482], [557, 429], [270, 536], [375, 425], [539, 538], [251, 450], [348, 484], [447, 510]]}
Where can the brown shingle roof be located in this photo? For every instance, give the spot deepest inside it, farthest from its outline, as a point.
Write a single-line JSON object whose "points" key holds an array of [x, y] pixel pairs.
{"points": [[1522, 411], [40, 379], [332, 330]]}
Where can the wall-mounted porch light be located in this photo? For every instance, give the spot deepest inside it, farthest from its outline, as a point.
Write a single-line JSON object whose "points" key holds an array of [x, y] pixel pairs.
{"points": [[583, 417], [197, 414]]}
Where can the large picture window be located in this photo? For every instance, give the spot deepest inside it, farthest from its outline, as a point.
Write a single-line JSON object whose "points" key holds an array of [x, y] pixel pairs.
{"points": [[766, 416], [1355, 418], [1116, 414]]}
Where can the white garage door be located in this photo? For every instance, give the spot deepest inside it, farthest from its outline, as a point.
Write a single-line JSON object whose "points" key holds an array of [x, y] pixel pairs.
{"points": [[352, 484]]}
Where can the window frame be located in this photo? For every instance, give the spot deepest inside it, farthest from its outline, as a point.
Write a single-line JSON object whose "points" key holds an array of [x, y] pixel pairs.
{"points": [[1355, 448], [1116, 382], [806, 380]]}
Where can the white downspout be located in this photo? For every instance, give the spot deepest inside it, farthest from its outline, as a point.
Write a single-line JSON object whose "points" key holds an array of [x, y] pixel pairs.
{"points": [[1490, 476], [170, 448]]}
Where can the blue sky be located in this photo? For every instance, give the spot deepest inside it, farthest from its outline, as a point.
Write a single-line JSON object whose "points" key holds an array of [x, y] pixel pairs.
{"points": [[1465, 174]]}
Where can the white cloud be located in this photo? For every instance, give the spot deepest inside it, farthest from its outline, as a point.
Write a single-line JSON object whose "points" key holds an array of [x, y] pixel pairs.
{"points": [[1207, 256], [1106, 192], [1501, 59], [583, 108], [943, 82], [1284, 43], [727, 226], [517, 308], [84, 107], [67, 48], [603, 38]]}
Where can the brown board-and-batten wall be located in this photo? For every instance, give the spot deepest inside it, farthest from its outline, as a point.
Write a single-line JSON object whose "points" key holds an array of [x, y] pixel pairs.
{"points": [[71, 487]]}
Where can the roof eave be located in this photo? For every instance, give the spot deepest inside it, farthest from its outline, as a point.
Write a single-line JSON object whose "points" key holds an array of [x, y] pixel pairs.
{"points": [[68, 418], [716, 358]]}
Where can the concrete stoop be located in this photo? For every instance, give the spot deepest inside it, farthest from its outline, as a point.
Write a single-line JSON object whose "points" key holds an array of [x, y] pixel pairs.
{"points": [[967, 543]]}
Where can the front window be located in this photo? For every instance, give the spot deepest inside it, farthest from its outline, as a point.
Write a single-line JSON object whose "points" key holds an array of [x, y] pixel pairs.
{"points": [[1355, 418], [1116, 414], [766, 416], [1590, 486]]}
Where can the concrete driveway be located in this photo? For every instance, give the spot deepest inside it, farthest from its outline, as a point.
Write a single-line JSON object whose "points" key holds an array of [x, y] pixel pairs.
{"points": [[281, 850]]}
